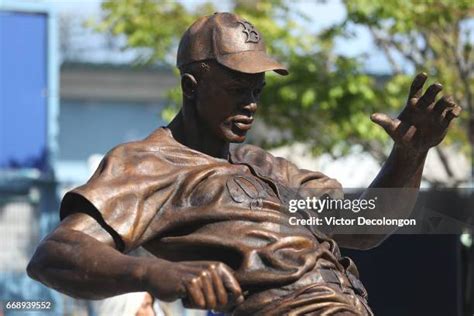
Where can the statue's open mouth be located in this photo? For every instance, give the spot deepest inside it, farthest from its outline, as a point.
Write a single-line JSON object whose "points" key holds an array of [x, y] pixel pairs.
{"points": [[243, 122]]}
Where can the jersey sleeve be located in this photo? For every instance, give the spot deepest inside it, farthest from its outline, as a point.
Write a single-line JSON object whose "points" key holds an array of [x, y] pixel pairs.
{"points": [[124, 195]]}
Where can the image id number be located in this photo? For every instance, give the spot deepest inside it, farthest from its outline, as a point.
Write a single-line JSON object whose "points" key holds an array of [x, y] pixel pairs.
{"points": [[28, 305]]}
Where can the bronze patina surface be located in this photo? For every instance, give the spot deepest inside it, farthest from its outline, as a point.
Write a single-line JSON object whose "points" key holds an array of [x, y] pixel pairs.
{"points": [[215, 217]]}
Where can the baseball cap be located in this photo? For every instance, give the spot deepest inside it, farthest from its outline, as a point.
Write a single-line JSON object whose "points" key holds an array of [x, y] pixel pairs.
{"points": [[230, 40]]}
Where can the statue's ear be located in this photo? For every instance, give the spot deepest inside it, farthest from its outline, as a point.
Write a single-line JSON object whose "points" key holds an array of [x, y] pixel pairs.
{"points": [[188, 85]]}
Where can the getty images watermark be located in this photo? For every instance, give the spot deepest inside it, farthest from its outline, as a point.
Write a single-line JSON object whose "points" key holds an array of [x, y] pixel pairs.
{"points": [[341, 212]]}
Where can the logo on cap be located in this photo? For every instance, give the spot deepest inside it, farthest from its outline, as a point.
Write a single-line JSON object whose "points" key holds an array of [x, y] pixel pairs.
{"points": [[251, 32]]}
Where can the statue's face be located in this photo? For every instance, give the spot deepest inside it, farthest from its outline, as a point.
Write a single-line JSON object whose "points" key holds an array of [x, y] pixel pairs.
{"points": [[226, 101]]}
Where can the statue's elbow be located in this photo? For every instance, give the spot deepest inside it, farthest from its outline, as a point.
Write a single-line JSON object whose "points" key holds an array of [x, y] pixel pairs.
{"points": [[360, 242], [34, 268], [369, 245], [41, 260], [373, 242]]}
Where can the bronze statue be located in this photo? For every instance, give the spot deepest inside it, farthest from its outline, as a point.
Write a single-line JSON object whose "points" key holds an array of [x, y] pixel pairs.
{"points": [[214, 217]]}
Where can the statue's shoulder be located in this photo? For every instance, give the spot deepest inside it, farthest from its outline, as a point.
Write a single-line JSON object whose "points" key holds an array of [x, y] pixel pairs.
{"points": [[158, 151], [155, 144]]}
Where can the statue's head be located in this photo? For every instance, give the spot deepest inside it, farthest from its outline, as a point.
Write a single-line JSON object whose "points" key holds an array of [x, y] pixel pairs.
{"points": [[222, 60]]}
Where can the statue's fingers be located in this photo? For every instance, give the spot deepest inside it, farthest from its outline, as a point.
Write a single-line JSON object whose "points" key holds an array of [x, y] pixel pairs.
{"points": [[428, 98], [442, 105], [195, 297], [208, 289], [416, 88], [219, 288], [232, 286], [385, 121], [451, 114]]}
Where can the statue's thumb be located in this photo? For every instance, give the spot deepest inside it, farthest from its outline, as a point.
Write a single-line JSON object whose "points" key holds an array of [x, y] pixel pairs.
{"points": [[383, 120]]}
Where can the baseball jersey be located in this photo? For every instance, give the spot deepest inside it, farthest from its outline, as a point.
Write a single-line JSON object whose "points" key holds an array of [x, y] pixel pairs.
{"points": [[181, 204]]}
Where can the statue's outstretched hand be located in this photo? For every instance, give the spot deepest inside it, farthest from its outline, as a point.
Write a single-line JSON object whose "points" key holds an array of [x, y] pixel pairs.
{"points": [[423, 123]]}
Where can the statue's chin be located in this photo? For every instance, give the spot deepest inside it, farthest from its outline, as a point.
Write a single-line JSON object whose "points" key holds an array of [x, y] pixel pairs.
{"points": [[235, 138], [240, 140]]}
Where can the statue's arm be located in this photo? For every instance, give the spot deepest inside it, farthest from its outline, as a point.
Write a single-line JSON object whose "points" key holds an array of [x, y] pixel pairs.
{"points": [[395, 189], [421, 125], [79, 259]]}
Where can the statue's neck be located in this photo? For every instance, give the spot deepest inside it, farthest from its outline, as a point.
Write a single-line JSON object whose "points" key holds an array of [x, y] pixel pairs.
{"points": [[192, 133]]}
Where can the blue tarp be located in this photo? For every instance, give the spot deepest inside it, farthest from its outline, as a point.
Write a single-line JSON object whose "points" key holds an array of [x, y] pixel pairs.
{"points": [[23, 90]]}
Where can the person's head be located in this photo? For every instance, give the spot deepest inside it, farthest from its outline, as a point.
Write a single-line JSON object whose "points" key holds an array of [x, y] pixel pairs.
{"points": [[222, 61], [146, 308], [129, 304]]}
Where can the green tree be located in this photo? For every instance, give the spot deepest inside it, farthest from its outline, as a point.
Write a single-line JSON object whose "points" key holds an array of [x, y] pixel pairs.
{"points": [[328, 97], [435, 36]]}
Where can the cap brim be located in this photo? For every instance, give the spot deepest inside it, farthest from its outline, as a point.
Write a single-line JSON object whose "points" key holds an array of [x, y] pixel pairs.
{"points": [[252, 62]]}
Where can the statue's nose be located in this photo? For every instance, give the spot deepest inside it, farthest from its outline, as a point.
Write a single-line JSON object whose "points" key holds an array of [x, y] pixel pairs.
{"points": [[251, 107]]}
